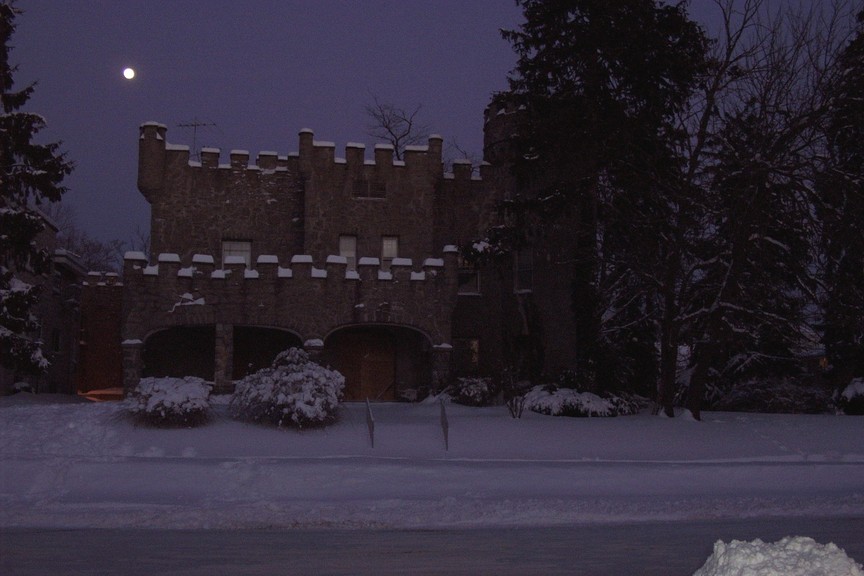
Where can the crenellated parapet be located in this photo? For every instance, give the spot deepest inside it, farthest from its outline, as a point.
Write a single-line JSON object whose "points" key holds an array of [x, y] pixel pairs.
{"points": [[299, 202], [307, 297]]}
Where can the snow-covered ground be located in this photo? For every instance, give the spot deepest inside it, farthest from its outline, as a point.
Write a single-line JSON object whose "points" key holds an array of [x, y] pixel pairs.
{"points": [[80, 464]]}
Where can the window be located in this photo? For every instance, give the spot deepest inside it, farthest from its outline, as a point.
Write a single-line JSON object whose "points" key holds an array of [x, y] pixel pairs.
{"points": [[523, 270], [469, 278], [236, 250], [363, 188], [389, 250], [348, 249]]}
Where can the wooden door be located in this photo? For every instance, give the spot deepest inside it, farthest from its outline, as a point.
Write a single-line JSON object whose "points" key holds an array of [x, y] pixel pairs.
{"points": [[368, 362]]}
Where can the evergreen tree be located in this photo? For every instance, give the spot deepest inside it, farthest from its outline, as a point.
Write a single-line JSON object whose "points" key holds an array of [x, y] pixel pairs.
{"points": [[600, 84], [841, 188], [30, 174]]}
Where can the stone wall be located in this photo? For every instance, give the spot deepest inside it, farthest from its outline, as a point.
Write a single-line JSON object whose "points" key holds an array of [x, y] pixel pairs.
{"points": [[307, 298]]}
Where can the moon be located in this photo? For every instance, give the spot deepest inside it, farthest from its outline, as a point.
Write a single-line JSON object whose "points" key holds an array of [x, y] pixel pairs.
{"points": [[128, 73]]}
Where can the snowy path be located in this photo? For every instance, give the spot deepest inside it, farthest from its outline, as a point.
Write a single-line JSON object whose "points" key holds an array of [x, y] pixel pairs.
{"points": [[83, 465]]}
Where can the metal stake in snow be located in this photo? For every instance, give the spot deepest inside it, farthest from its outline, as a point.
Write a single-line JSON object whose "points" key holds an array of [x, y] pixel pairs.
{"points": [[445, 426], [370, 422]]}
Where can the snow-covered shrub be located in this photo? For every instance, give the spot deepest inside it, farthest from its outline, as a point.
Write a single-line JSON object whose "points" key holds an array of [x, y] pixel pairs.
{"points": [[294, 391], [773, 395], [851, 399], [472, 391], [566, 402], [170, 402]]}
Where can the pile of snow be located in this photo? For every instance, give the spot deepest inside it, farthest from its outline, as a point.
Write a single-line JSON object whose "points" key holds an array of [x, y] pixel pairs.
{"points": [[294, 391], [170, 401], [791, 556]]}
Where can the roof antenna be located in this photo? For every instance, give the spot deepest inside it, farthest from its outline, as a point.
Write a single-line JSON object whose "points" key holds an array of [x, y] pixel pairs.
{"points": [[194, 125]]}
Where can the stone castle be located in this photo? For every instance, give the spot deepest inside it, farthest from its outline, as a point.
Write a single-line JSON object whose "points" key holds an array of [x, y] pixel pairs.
{"points": [[354, 258]]}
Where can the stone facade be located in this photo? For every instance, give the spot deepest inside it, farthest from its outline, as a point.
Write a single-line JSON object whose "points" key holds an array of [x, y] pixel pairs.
{"points": [[355, 258]]}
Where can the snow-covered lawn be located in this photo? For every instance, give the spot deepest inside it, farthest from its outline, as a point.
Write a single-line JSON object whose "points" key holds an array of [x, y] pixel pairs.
{"points": [[67, 464], [87, 464]]}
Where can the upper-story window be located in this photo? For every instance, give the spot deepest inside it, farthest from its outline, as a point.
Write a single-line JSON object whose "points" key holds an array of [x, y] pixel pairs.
{"points": [[523, 270], [348, 249], [389, 250], [234, 250], [364, 188], [469, 278]]}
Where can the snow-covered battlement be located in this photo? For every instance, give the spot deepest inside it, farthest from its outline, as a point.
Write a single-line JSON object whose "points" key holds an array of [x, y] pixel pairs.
{"points": [[203, 267], [429, 156]]}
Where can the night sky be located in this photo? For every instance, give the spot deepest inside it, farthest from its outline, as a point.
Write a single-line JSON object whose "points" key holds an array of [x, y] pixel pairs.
{"points": [[260, 70]]}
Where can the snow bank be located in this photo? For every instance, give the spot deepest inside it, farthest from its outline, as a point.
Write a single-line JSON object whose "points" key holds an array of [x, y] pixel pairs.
{"points": [[791, 556]]}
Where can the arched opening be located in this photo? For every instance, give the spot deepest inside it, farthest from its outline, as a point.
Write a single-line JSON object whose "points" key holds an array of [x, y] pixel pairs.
{"points": [[181, 351], [381, 363], [256, 347]]}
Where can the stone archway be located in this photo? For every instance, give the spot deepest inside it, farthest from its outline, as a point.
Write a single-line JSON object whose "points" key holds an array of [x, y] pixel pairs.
{"points": [[380, 362], [256, 348], [180, 351]]}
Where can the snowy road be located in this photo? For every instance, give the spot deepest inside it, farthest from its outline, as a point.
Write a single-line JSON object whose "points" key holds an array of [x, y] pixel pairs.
{"points": [[668, 549]]}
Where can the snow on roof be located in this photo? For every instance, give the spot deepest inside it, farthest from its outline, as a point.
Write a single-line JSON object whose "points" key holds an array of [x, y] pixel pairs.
{"points": [[333, 259], [168, 257], [301, 259], [177, 147], [268, 259], [202, 259], [384, 147], [355, 145], [323, 144], [369, 261]]}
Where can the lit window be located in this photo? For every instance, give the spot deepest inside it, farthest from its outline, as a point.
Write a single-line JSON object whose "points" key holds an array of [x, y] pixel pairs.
{"points": [[523, 270], [348, 249], [234, 251], [389, 250]]}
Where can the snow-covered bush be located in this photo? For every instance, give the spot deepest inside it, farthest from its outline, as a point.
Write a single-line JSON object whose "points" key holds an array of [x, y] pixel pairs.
{"points": [[472, 391], [566, 402], [170, 402], [294, 391], [851, 399]]}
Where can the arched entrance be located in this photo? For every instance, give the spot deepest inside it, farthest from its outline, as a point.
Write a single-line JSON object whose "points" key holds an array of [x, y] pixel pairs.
{"points": [[381, 363], [256, 347], [180, 351]]}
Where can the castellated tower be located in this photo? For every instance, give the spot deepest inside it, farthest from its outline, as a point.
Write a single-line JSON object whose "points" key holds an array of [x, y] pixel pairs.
{"points": [[354, 258]]}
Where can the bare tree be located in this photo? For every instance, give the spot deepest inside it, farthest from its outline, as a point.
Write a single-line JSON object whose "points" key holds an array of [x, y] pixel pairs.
{"points": [[94, 254], [398, 126]]}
